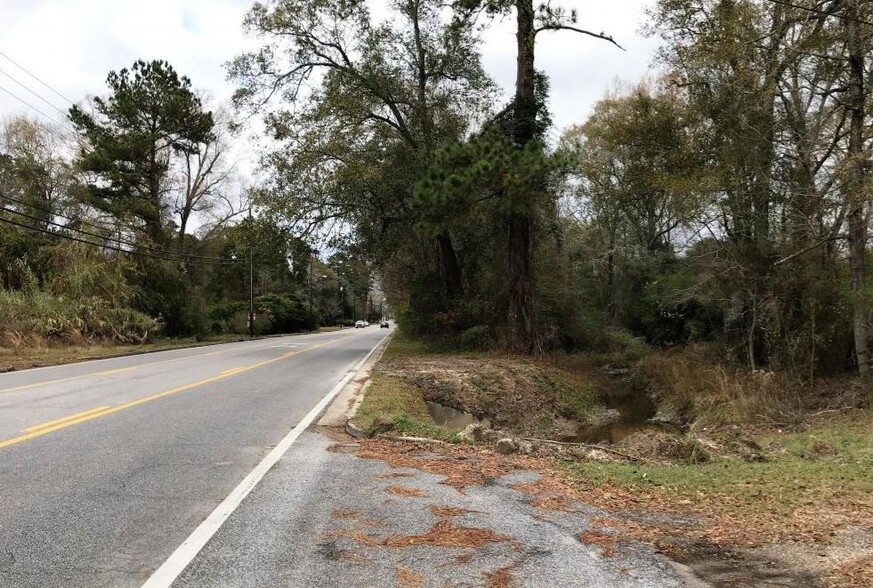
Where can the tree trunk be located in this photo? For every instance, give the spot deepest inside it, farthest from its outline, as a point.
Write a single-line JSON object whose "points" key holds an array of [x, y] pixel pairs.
{"points": [[451, 270], [519, 223], [183, 227], [855, 185]]}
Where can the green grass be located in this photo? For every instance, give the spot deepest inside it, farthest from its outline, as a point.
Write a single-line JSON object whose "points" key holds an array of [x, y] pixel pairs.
{"points": [[394, 406], [402, 345], [830, 462]]}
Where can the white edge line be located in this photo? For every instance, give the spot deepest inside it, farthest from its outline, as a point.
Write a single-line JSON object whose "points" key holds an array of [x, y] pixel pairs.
{"points": [[173, 567]]}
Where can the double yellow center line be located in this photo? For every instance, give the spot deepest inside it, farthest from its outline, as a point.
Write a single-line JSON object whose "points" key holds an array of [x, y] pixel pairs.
{"points": [[101, 411]]}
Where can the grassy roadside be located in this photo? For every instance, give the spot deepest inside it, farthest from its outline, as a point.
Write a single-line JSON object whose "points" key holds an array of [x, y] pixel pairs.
{"points": [[793, 488], [19, 358], [518, 394], [392, 405]]}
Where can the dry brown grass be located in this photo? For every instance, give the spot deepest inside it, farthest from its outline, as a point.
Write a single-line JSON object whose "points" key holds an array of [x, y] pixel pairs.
{"points": [[354, 516], [444, 533], [406, 578], [344, 514], [501, 578], [448, 511], [694, 389], [552, 503], [461, 465], [356, 535], [855, 574], [605, 541], [406, 491], [546, 494], [31, 351], [447, 534]]}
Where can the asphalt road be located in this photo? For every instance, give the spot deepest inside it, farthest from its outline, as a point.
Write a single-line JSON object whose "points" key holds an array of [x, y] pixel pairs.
{"points": [[107, 466], [324, 517]]}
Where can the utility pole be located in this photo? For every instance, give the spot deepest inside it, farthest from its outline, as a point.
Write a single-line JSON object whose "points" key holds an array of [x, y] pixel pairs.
{"points": [[251, 281], [310, 282], [251, 296]]}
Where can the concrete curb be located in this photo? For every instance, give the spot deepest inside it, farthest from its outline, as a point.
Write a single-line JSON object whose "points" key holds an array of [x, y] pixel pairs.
{"points": [[346, 404], [351, 429]]}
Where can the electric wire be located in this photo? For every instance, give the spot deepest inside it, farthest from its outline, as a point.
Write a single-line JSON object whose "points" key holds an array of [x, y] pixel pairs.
{"points": [[155, 250], [25, 70], [23, 85], [29, 105], [168, 256]]}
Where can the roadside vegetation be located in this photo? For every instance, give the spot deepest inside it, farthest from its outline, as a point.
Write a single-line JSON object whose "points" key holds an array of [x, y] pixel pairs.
{"points": [[676, 286], [728, 465]]}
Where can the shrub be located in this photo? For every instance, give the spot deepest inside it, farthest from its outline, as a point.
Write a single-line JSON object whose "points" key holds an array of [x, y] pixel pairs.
{"points": [[59, 319], [476, 338]]}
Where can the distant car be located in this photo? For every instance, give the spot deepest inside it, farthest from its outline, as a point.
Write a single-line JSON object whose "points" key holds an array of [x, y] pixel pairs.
{"points": [[384, 325], [360, 324]]}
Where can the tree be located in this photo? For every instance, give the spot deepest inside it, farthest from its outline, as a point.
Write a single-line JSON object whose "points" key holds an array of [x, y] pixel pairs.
{"points": [[205, 181], [390, 94], [858, 180], [150, 117], [639, 182], [524, 112], [34, 171]]}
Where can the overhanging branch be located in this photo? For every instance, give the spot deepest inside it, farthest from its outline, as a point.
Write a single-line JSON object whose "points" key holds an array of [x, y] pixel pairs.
{"points": [[562, 27]]}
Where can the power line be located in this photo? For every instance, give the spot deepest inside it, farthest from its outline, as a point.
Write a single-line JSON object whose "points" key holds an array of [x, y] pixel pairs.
{"points": [[167, 255], [820, 12], [29, 105], [25, 70], [11, 77], [77, 240], [86, 242], [74, 220], [59, 215], [156, 250]]}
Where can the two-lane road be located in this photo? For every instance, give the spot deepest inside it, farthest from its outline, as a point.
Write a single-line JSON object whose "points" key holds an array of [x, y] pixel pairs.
{"points": [[107, 466]]}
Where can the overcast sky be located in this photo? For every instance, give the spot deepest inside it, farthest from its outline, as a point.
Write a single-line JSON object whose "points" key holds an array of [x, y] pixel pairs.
{"points": [[73, 45]]}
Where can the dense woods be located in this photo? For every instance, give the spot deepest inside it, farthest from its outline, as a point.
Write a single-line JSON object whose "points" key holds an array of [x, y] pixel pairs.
{"points": [[130, 223], [724, 200]]}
